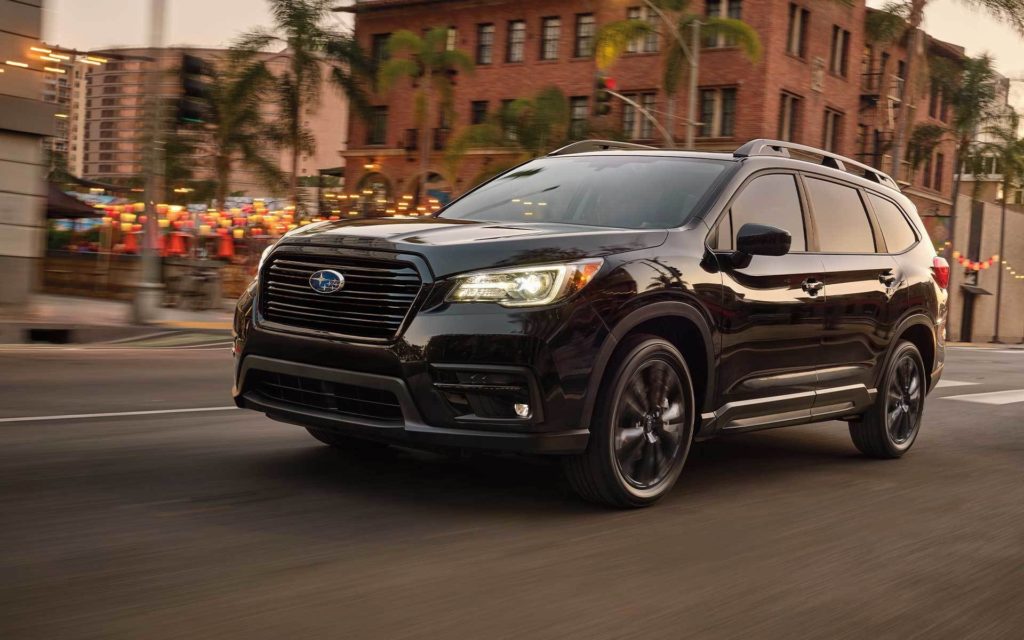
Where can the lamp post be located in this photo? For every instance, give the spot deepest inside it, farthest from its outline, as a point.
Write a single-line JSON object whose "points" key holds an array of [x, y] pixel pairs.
{"points": [[149, 289]]}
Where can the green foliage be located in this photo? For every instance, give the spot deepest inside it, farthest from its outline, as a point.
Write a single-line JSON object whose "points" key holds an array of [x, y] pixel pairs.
{"points": [[888, 25], [923, 141], [675, 28], [303, 28]]}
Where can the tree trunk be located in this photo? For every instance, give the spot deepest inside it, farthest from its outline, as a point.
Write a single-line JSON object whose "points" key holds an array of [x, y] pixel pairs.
{"points": [[670, 116], [999, 264], [908, 92], [425, 137], [223, 169]]}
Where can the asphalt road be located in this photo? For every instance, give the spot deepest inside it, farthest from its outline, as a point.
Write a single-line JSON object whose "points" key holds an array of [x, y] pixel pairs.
{"points": [[225, 524]]}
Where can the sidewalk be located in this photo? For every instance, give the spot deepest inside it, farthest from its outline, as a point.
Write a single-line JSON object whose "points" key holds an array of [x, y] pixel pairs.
{"points": [[75, 319]]}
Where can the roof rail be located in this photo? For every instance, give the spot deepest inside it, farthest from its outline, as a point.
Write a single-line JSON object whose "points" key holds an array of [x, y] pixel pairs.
{"points": [[779, 148], [585, 146]]}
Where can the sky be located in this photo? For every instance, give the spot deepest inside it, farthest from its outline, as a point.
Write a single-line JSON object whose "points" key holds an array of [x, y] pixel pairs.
{"points": [[94, 24]]}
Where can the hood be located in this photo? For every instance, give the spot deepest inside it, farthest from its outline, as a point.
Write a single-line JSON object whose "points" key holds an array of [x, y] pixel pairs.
{"points": [[456, 246]]}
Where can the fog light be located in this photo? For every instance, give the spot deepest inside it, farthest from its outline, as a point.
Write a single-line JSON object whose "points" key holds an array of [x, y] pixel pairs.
{"points": [[522, 410]]}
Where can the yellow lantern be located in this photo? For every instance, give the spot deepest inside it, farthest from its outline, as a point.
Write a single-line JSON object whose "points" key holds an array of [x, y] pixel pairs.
{"points": [[238, 233], [164, 223], [139, 207], [204, 229]]}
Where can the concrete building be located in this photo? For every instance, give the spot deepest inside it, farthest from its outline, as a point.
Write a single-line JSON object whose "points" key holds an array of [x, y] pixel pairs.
{"points": [[57, 83], [108, 120], [25, 122]]}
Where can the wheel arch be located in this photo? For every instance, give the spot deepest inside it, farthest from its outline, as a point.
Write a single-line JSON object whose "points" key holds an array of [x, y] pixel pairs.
{"points": [[919, 330], [680, 323]]}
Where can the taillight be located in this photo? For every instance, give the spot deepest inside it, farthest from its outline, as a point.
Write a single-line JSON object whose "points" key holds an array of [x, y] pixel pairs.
{"points": [[940, 271]]}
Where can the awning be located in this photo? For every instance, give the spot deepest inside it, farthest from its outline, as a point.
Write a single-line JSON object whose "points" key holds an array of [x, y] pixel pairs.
{"points": [[978, 291], [61, 205]]}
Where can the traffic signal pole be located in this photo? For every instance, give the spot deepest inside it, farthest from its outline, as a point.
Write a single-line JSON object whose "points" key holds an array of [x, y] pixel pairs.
{"points": [[647, 114], [149, 289]]}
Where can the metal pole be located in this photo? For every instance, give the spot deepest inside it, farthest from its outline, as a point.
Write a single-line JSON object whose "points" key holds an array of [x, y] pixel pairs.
{"points": [[647, 114], [148, 290], [999, 263], [691, 125]]}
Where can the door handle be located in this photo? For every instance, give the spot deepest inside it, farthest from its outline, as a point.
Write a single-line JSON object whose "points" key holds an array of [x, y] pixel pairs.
{"points": [[812, 286], [887, 277]]}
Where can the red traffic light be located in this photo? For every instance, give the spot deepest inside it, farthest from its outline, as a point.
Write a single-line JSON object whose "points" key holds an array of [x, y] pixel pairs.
{"points": [[609, 83]]}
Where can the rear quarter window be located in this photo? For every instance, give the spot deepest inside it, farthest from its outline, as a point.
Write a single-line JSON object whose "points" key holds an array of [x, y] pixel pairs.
{"points": [[899, 235], [839, 217]]}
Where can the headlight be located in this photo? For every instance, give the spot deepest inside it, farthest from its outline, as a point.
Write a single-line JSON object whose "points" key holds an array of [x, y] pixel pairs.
{"points": [[525, 286]]}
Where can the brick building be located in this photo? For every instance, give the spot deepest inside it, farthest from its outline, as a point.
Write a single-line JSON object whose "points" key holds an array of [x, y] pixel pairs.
{"points": [[804, 88], [818, 82]]}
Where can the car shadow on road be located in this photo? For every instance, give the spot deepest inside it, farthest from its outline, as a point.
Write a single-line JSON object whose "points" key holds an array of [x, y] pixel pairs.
{"points": [[493, 482]]}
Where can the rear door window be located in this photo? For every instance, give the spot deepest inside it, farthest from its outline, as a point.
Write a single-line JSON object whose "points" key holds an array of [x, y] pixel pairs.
{"points": [[896, 229], [839, 217], [770, 199]]}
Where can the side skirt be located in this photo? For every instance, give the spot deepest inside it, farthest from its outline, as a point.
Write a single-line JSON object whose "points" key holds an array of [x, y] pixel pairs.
{"points": [[786, 410]]}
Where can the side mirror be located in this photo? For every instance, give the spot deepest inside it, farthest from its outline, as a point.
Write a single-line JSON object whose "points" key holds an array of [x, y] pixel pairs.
{"points": [[762, 240]]}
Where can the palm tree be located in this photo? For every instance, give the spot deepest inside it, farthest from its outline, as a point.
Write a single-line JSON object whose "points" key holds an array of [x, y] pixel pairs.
{"points": [[526, 128], [1006, 145], [301, 27], [1009, 11], [972, 94], [237, 92], [428, 63], [675, 25]]}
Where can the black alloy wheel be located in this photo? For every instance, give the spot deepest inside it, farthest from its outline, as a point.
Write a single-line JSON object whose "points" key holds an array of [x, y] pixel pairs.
{"points": [[642, 427], [649, 425], [890, 427]]}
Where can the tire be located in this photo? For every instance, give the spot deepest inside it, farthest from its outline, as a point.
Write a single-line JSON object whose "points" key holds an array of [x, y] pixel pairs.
{"points": [[890, 427], [639, 438], [346, 443]]}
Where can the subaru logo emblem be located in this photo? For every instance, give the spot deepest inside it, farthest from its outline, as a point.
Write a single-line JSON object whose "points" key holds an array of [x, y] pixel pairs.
{"points": [[326, 281]]}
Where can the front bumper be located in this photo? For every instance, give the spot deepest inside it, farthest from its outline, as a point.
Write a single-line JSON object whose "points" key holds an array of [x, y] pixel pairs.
{"points": [[412, 430]]}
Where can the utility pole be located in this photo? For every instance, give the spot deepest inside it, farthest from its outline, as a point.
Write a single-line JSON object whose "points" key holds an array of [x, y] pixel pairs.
{"points": [[149, 289], [999, 265]]}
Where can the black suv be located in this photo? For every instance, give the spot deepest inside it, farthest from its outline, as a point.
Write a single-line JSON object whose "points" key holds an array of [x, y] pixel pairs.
{"points": [[608, 303]]}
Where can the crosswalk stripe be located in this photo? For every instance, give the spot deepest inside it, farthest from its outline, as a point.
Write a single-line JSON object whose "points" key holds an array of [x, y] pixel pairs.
{"points": [[953, 383], [994, 397]]}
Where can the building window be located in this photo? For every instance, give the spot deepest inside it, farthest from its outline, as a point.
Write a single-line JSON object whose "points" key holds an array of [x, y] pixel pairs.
{"points": [[926, 173], [452, 39], [647, 43], [377, 129], [718, 113], [477, 111], [484, 43], [940, 165], [796, 37], [578, 117], [584, 36], [840, 51], [635, 125], [379, 49], [551, 31], [789, 117], [722, 9], [516, 41], [832, 131]]}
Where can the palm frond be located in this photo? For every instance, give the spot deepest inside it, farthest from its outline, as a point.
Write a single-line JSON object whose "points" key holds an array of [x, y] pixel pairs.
{"points": [[404, 41], [740, 32], [395, 69], [614, 38]]}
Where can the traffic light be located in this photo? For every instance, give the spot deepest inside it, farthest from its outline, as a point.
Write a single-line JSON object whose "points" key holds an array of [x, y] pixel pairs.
{"points": [[194, 104], [603, 99]]}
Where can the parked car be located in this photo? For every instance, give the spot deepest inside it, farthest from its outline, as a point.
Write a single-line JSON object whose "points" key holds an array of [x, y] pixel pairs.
{"points": [[608, 303]]}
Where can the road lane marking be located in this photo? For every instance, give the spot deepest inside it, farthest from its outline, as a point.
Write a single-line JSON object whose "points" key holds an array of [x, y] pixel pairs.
{"points": [[114, 414], [953, 383], [994, 397]]}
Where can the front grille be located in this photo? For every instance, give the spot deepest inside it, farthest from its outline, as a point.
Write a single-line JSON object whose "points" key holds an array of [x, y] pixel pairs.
{"points": [[332, 397], [372, 305]]}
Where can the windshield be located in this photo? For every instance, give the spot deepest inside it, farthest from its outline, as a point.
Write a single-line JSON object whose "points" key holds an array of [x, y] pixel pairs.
{"points": [[633, 192]]}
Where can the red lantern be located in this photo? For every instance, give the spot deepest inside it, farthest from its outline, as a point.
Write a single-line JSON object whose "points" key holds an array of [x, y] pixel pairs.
{"points": [[131, 243], [177, 245], [225, 246]]}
